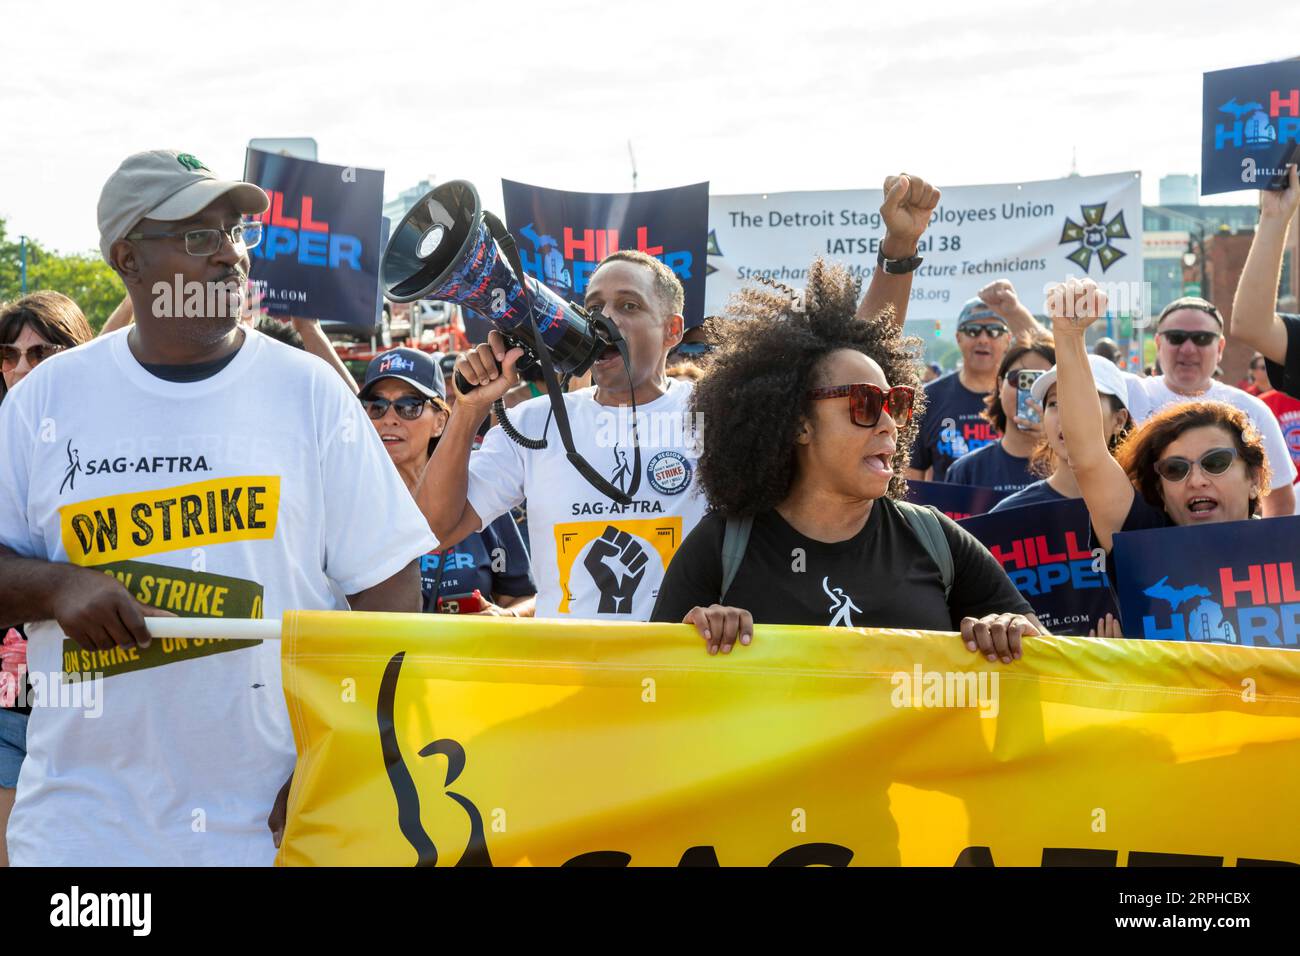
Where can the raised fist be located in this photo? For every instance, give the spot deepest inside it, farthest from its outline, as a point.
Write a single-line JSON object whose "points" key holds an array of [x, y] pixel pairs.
{"points": [[1074, 304], [1000, 296], [909, 203]]}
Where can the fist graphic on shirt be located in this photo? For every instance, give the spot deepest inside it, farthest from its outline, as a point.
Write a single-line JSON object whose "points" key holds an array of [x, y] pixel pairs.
{"points": [[617, 563]]}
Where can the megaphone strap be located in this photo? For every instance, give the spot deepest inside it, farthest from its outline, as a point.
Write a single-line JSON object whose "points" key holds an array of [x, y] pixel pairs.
{"points": [[507, 244]]}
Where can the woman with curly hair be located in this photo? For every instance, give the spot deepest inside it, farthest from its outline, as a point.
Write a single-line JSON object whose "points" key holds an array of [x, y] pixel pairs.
{"points": [[1191, 463], [1004, 465], [807, 426]]}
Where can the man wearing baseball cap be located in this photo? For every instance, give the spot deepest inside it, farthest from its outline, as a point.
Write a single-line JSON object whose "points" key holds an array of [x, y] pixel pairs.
{"points": [[181, 466]]}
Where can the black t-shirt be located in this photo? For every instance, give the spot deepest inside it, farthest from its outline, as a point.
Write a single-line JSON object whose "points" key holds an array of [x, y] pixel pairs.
{"points": [[1039, 493], [1286, 378], [991, 467], [952, 425], [881, 577]]}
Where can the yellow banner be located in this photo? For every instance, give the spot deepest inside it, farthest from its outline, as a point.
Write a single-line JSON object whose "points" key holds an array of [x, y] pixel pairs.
{"points": [[463, 741]]}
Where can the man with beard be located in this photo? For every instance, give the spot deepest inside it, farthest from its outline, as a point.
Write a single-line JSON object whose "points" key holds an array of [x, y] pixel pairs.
{"points": [[180, 466]]}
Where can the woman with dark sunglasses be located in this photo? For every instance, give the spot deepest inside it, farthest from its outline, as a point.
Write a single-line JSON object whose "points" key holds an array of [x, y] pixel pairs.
{"points": [[1198, 462], [807, 425], [404, 395]]}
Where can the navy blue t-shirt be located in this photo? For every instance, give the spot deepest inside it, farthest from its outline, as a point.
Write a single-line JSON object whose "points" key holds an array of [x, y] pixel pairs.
{"points": [[953, 425], [1039, 493], [991, 467], [469, 566]]}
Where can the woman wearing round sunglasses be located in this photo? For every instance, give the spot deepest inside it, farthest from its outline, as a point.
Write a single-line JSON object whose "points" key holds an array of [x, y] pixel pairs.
{"points": [[404, 396], [1194, 463], [807, 425]]}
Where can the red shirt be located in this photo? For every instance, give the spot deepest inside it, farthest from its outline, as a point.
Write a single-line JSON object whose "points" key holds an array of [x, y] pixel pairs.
{"points": [[1287, 412]]}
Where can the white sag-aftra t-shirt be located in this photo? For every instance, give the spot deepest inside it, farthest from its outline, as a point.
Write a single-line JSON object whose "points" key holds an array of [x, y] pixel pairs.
{"points": [[593, 557], [259, 489]]}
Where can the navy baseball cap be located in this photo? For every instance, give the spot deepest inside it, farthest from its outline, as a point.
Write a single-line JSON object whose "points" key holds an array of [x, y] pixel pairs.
{"points": [[976, 310], [412, 366]]}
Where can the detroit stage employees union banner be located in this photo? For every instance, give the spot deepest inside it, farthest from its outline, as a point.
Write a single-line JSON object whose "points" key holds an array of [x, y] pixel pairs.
{"points": [[1031, 233], [562, 235], [428, 739]]}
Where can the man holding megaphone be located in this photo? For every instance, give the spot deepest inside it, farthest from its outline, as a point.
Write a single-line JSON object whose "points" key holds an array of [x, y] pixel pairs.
{"points": [[594, 557]]}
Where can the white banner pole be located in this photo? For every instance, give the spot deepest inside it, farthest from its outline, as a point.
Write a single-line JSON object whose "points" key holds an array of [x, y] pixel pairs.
{"points": [[236, 629]]}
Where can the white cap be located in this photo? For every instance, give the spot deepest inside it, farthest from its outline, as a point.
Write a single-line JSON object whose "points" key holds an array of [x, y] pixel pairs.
{"points": [[1106, 374], [166, 185]]}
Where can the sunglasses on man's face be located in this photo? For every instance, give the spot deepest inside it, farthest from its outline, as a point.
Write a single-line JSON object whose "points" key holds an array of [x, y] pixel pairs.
{"points": [[973, 330], [410, 407], [1215, 462], [36, 354], [1177, 337], [866, 402]]}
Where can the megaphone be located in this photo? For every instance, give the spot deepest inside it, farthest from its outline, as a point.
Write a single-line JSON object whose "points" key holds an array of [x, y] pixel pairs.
{"points": [[448, 247], [443, 249]]}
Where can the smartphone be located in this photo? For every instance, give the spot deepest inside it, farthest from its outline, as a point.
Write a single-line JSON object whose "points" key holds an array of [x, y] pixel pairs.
{"points": [[461, 603], [1025, 379]]}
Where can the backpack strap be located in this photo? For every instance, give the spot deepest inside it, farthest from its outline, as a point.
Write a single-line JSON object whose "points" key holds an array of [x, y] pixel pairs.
{"points": [[925, 525], [734, 541]]}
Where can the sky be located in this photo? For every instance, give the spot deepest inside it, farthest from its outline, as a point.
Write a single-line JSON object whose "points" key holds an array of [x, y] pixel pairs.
{"points": [[751, 97]]}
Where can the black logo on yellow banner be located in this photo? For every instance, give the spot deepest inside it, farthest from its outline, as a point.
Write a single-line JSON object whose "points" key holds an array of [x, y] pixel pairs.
{"points": [[185, 593], [139, 523], [617, 557], [404, 789]]}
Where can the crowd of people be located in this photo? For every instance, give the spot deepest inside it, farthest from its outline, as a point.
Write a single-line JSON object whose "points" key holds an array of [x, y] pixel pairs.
{"points": [[762, 459]]}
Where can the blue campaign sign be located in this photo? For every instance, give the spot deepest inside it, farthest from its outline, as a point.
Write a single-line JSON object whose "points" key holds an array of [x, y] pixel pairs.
{"points": [[1233, 583], [1250, 127], [1045, 551], [956, 501], [319, 255], [563, 235]]}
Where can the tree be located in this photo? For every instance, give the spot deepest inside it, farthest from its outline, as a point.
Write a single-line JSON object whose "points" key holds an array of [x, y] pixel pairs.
{"points": [[86, 278]]}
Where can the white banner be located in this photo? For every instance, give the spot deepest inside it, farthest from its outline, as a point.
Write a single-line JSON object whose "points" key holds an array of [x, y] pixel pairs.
{"points": [[1031, 233]]}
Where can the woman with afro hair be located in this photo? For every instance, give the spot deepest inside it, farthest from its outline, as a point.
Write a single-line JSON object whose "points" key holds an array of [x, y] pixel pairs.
{"points": [[806, 414]]}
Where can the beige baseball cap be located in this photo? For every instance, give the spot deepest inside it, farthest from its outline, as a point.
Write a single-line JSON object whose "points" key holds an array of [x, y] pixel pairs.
{"points": [[166, 185]]}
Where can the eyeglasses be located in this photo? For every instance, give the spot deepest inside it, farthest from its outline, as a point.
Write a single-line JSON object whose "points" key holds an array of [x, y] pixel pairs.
{"points": [[1214, 462], [1177, 337], [866, 402], [204, 242], [1258, 365], [36, 354], [408, 407], [972, 330]]}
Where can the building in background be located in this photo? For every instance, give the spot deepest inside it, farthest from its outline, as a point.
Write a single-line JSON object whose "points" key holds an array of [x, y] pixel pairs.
{"points": [[1180, 189], [401, 204]]}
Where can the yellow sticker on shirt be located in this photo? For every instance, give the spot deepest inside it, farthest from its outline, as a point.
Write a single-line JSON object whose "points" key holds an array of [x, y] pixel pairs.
{"points": [[621, 540], [121, 527]]}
